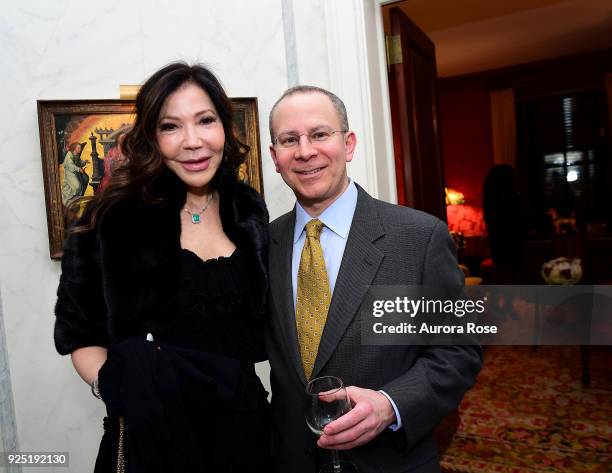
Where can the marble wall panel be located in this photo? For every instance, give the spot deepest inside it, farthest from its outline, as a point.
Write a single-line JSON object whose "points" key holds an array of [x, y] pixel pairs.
{"points": [[74, 50]]}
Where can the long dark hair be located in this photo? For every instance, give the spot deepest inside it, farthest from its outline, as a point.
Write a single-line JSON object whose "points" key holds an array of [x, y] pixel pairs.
{"points": [[499, 193], [144, 168]]}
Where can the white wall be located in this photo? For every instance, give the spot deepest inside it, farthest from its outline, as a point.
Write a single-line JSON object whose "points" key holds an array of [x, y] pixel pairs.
{"points": [[80, 49]]}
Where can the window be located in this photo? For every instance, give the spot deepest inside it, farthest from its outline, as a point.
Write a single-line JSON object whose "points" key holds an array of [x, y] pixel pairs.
{"points": [[565, 154]]}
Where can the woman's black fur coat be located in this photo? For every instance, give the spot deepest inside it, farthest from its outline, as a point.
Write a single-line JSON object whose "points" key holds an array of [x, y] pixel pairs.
{"points": [[120, 278]]}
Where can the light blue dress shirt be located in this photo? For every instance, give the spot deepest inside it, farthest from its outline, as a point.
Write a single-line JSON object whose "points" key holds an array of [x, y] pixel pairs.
{"points": [[337, 219]]}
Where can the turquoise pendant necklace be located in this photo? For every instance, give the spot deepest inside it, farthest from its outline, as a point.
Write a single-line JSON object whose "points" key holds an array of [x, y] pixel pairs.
{"points": [[196, 217]]}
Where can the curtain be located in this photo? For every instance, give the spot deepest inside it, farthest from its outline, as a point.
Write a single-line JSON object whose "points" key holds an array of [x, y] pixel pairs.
{"points": [[503, 124]]}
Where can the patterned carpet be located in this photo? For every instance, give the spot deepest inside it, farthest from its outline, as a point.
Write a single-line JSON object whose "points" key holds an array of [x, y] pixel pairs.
{"points": [[529, 413]]}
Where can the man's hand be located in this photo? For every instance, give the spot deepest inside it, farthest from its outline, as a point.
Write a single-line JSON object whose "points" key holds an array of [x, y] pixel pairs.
{"points": [[371, 414]]}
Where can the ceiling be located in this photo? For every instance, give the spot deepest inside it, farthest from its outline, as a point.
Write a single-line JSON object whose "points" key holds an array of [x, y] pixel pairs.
{"points": [[478, 35]]}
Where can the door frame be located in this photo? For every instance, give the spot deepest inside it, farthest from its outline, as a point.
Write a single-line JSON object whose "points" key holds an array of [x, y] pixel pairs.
{"points": [[358, 71]]}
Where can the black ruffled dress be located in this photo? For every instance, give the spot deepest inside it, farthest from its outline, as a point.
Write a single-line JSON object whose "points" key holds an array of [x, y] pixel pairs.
{"points": [[190, 400]]}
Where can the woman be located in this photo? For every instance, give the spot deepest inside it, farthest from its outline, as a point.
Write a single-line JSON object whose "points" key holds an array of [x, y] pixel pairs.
{"points": [[501, 205], [163, 288]]}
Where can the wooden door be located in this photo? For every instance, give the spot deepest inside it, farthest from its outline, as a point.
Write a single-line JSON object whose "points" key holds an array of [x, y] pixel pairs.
{"points": [[414, 109]]}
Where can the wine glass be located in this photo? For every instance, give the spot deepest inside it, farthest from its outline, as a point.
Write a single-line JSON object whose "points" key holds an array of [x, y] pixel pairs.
{"points": [[325, 401]]}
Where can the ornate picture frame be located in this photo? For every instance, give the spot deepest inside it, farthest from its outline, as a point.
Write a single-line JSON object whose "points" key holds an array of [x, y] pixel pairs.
{"points": [[85, 133]]}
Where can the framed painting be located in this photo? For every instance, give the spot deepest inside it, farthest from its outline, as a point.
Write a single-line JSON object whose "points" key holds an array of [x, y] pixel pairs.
{"points": [[246, 122], [78, 140]]}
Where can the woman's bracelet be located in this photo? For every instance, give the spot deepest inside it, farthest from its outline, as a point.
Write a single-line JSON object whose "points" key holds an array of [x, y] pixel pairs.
{"points": [[95, 389]]}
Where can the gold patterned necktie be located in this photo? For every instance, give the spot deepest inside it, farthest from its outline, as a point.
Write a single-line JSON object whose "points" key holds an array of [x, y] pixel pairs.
{"points": [[313, 296]]}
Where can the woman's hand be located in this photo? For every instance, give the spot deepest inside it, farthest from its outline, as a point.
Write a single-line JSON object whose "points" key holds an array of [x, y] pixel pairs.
{"points": [[87, 361]]}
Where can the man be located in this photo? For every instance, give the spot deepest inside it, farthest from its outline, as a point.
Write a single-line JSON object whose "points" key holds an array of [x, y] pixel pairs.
{"points": [[324, 254]]}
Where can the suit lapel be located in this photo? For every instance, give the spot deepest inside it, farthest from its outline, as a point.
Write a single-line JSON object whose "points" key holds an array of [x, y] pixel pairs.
{"points": [[282, 289], [359, 266]]}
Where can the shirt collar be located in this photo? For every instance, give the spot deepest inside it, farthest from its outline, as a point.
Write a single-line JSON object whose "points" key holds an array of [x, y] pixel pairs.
{"points": [[337, 217]]}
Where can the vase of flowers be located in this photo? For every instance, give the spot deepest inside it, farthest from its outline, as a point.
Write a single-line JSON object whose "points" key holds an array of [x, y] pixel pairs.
{"points": [[562, 271]]}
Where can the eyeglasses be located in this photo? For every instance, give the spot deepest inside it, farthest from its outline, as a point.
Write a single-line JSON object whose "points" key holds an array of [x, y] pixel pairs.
{"points": [[292, 140]]}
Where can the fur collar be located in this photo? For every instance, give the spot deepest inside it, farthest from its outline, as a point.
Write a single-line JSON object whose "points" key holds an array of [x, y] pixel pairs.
{"points": [[138, 239]]}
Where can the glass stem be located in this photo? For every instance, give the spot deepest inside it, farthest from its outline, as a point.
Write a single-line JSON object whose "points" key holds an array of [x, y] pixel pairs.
{"points": [[336, 461]]}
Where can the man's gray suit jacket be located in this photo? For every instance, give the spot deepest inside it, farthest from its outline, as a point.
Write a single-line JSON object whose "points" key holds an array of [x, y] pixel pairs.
{"points": [[387, 245]]}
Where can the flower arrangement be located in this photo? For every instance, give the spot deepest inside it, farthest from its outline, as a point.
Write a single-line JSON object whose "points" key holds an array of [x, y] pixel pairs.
{"points": [[562, 271]]}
